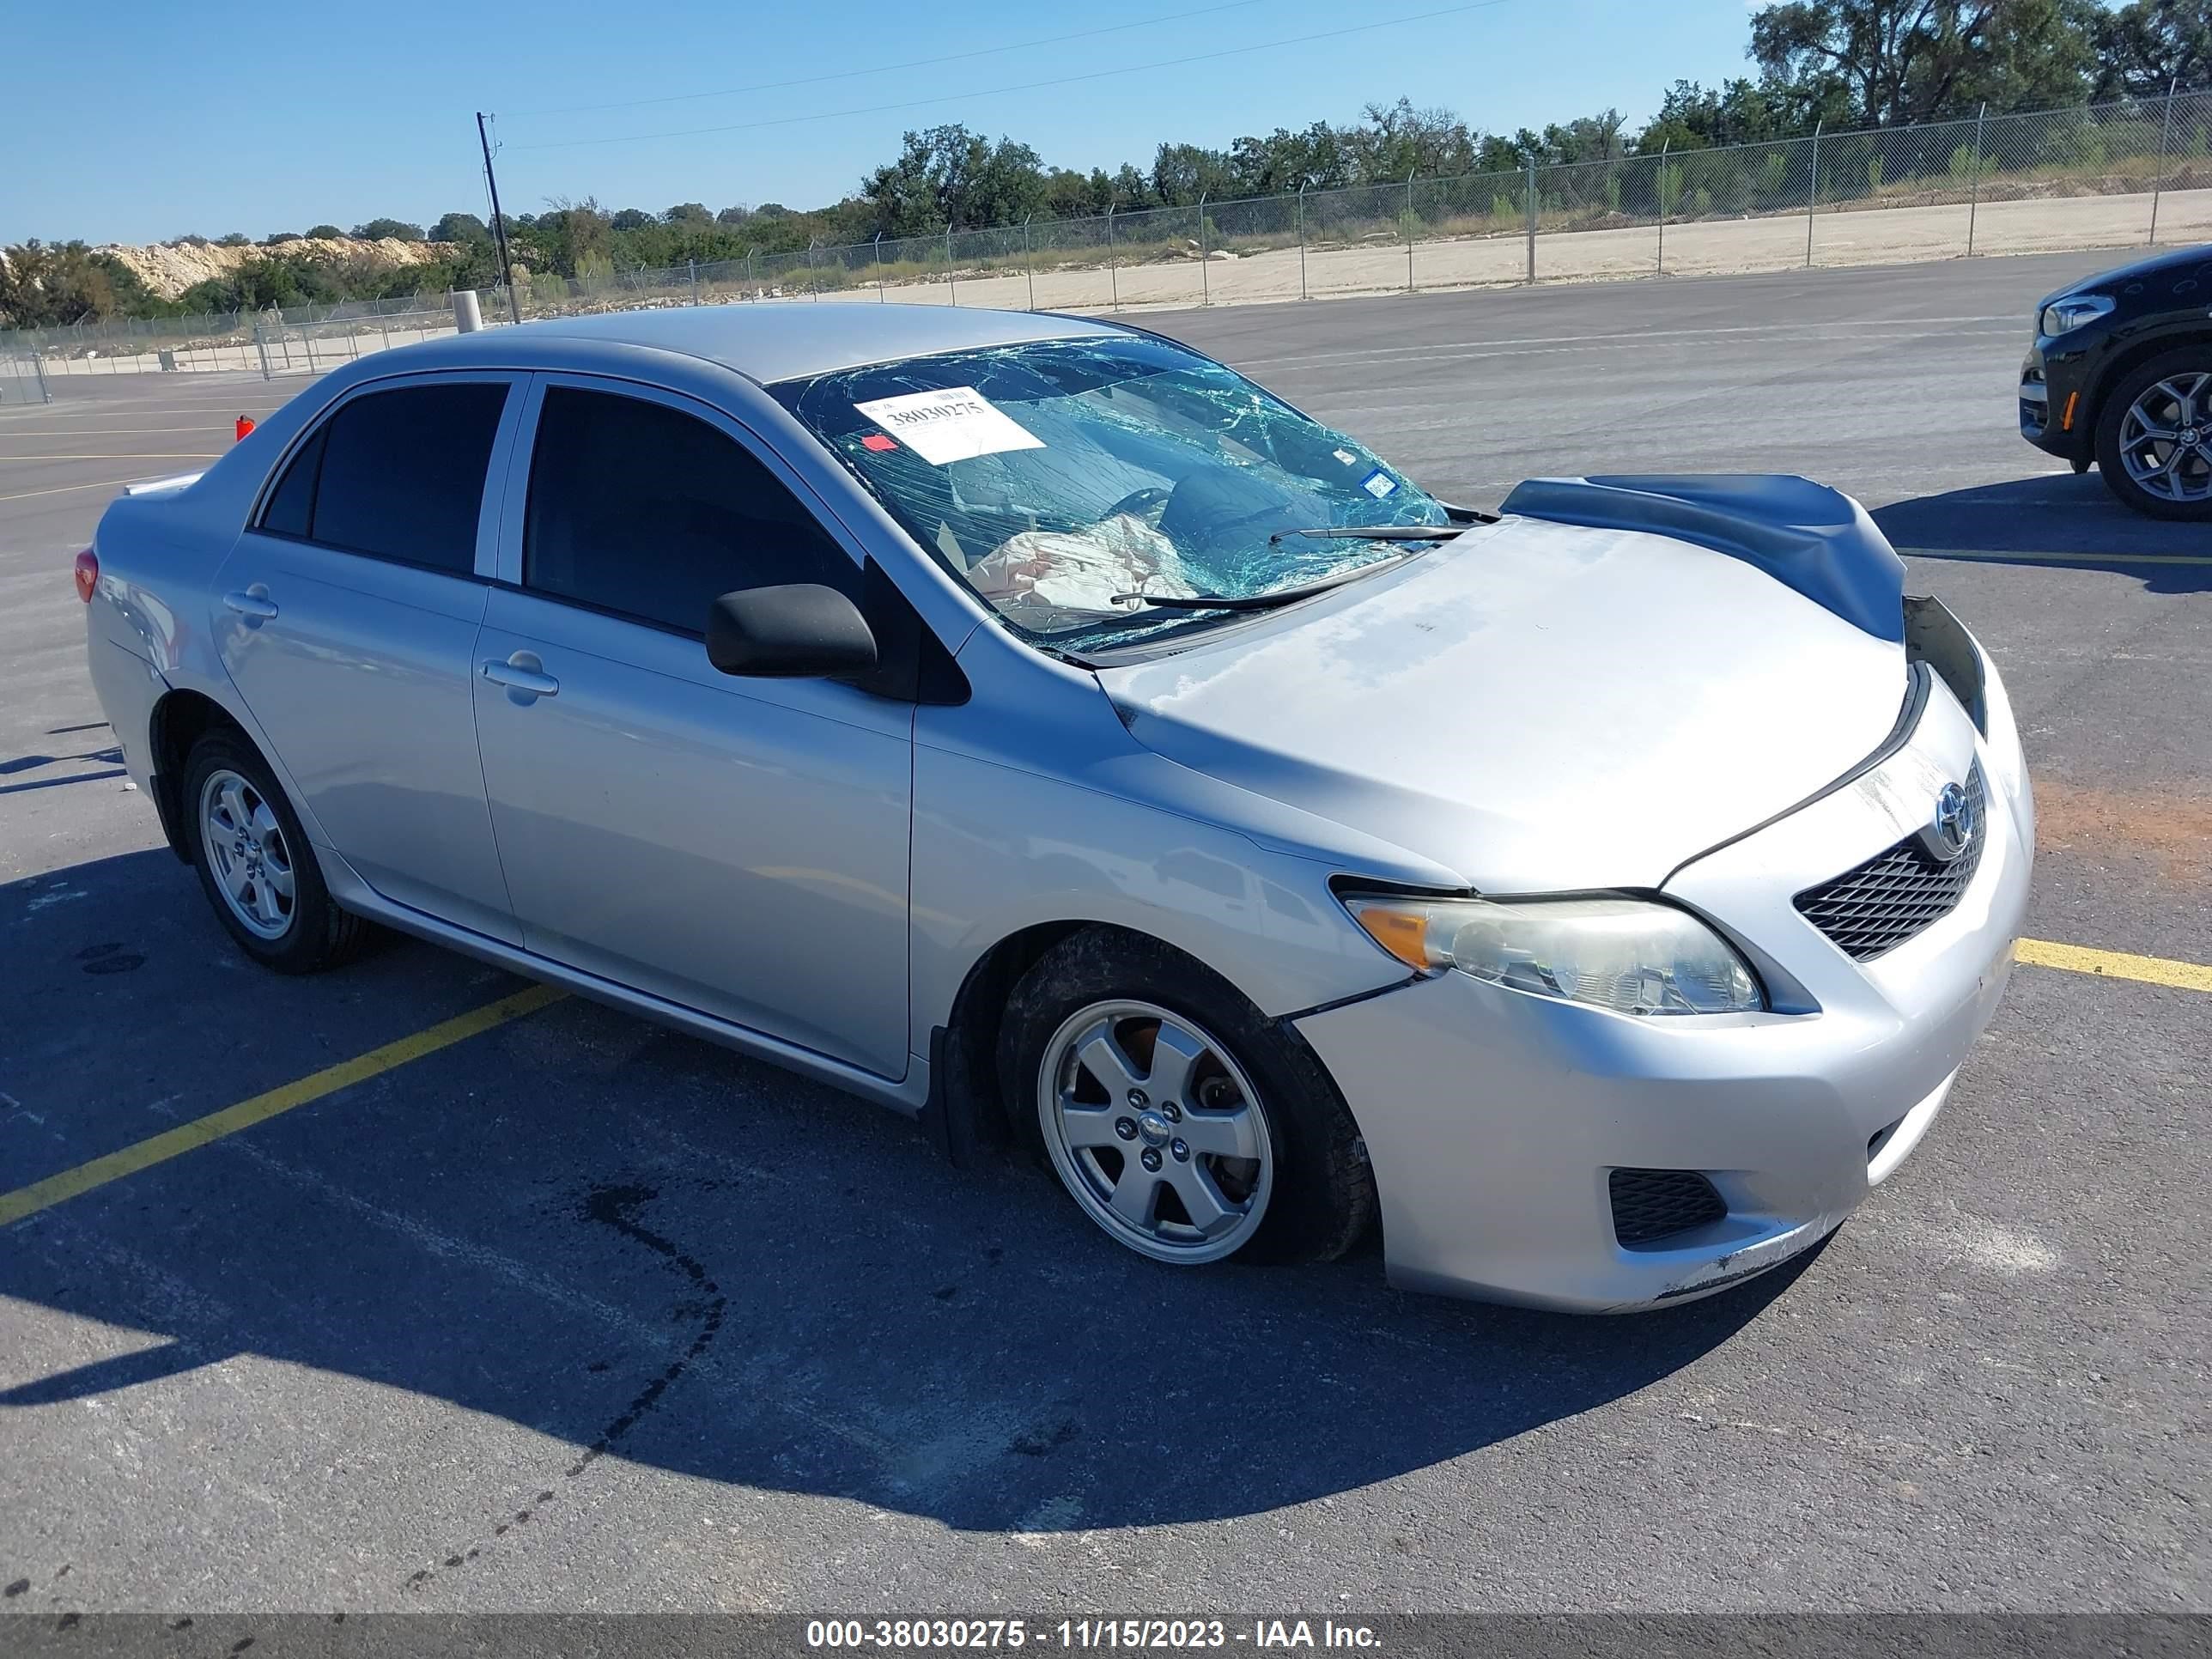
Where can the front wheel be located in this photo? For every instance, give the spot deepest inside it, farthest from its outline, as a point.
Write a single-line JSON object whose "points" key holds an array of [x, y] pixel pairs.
{"points": [[1181, 1121], [2155, 437]]}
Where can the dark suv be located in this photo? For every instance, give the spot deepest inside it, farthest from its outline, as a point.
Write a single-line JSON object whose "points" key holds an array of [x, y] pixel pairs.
{"points": [[2121, 374]]}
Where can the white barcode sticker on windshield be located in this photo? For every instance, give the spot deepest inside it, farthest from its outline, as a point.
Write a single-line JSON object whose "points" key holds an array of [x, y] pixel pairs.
{"points": [[956, 424], [1378, 483]]}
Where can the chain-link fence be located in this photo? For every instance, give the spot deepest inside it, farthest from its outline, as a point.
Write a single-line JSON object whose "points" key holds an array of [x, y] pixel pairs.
{"points": [[2129, 174], [23, 379], [2114, 175]]}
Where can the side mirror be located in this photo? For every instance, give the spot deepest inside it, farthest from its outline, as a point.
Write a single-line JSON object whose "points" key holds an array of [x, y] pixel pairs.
{"points": [[797, 631]]}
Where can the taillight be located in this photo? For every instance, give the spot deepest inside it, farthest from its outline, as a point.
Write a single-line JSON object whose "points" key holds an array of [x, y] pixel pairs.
{"points": [[88, 574]]}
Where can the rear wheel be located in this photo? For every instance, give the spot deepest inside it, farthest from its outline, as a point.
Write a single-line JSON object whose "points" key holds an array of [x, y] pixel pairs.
{"points": [[2155, 436], [1182, 1121], [255, 864]]}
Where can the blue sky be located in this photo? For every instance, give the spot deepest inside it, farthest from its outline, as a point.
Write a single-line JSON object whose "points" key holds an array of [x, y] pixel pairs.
{"points": [[345, 114]]}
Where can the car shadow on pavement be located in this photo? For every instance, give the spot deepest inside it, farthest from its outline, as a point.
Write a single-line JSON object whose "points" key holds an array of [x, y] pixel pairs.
{"points": [[2073, 517], [632, 1244]]}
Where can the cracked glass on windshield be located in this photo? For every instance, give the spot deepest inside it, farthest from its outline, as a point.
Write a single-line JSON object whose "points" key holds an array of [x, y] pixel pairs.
{"points": [[1059, 478]]}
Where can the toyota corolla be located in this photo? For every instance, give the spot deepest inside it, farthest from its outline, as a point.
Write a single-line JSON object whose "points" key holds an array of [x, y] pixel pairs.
{"points": [[1037, 726]]}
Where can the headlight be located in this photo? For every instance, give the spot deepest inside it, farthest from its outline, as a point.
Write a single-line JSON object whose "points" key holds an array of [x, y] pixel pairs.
{"points": [[1621, 954], [2064, 316]]}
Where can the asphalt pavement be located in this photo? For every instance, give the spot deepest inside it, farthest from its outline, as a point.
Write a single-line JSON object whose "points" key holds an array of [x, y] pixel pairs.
{"points": [[576, 1313]]}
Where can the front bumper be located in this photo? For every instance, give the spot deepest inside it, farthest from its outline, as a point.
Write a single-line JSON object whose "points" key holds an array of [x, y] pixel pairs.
{"points": [[2055, 380], [1494, 1120]]}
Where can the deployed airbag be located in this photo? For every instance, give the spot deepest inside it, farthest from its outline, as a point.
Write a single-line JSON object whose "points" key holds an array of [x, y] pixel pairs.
{"points": [[1807, 536]]}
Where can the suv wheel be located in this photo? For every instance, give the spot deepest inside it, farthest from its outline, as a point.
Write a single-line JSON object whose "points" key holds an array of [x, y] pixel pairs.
{"points": [[2155, 436]]}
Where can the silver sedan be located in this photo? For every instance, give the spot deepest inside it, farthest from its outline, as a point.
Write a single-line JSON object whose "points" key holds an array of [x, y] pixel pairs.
{"points": [[1039, 728]]}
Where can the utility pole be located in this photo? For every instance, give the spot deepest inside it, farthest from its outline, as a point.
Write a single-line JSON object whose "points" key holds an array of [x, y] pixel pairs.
{"points": [[498, 222], [1663, 148]]}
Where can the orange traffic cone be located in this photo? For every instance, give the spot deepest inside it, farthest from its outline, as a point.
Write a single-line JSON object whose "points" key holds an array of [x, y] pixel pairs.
{"points": [[245, 426]]}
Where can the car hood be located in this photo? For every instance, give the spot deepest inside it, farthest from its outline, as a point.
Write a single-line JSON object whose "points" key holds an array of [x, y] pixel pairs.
{"points": [[2111, 281], [1533, 705]]}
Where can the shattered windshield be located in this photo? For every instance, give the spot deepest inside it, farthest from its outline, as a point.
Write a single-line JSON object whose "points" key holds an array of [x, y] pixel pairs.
{"points": [[1061, 478]]}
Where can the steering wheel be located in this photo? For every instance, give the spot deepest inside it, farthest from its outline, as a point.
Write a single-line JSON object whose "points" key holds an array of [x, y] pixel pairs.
{"points": [[1138, 502]]}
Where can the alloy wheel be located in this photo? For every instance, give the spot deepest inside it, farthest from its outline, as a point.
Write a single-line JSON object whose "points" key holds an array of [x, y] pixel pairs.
{"points": [[1157, 1131], [245, 849], [2166, 439]]}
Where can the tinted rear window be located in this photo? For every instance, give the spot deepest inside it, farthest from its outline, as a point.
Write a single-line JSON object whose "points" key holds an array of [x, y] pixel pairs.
{"points": [[402, 474], [291, 510]]}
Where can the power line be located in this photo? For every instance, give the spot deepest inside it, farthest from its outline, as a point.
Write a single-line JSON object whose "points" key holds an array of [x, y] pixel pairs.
{"points": [[1025, 85], [886, 69]]}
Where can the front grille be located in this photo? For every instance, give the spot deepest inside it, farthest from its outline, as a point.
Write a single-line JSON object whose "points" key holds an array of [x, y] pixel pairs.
{"points": [[1652, 1205], [1896, 894]]}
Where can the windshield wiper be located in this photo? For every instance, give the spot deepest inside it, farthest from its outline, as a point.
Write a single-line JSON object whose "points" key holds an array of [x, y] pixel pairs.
{"points": [[1282, 596], [1376, 532]]}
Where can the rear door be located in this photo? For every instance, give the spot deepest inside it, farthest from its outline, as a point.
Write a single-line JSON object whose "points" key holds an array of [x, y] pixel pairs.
{"points": [[347, 614], [737, 846]]}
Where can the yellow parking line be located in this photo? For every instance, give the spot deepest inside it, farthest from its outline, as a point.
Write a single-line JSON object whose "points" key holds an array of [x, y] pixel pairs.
{"points": [[2115, 964], [188, 1136], [202, 1131]]}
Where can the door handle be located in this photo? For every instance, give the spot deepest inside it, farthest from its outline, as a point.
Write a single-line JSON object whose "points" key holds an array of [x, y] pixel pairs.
{"points": [[254, 603], [523, 674]]}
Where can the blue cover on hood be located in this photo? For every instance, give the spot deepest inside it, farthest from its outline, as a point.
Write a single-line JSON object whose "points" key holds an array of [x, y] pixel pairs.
{"points": [[1805, 535]]}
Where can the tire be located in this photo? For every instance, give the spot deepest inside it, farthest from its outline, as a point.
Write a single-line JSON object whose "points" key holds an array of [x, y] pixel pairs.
{"points": [[1248, 1085], [2183, 493], [227, 786]]}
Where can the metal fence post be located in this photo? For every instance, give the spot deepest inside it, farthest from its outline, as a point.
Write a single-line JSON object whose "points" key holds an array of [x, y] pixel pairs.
{"points": [[38, 371], [692, 265], [1663, 148], [2164, 138], [752, 282], [1974, 203], [813, 278], [1813, 196], [1301, 242], [1112, 266], [952, 284], [1029, 265], [1532, 217], [878, 246], [1409, 230], [1205, 286]]}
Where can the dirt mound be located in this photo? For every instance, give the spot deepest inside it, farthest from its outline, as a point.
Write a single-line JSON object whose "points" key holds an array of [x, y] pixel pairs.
{"points": [[168, 270]]}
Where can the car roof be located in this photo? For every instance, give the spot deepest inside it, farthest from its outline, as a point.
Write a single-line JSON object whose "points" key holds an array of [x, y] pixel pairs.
{"points": [[775, 340]]}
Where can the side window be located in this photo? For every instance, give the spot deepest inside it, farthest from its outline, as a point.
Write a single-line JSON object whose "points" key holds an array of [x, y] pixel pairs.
{"points": [[641, 508], [291, 510], [398, 474]]}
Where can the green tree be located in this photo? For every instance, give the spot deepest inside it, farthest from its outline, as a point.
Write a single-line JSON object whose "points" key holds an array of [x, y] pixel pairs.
{"points": [[686, 215], [49, 285], [1908, 60], [949, 177], [460, 227], [324, 233], [2147, 46], [377, 230]]}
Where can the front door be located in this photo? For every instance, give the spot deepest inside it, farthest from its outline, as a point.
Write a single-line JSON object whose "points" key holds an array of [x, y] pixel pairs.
{"points": [[346, 616], [737, 846]]}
